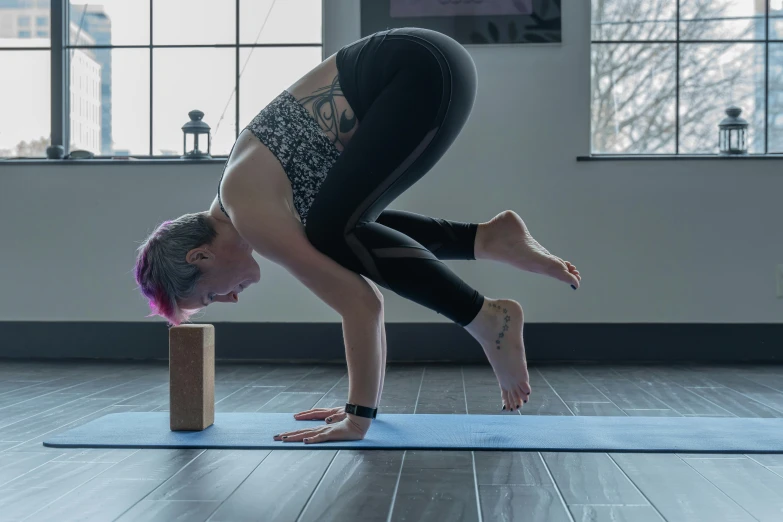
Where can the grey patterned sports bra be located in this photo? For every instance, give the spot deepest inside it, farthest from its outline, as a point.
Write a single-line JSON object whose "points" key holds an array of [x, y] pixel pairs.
{"points": [[299, 143]]}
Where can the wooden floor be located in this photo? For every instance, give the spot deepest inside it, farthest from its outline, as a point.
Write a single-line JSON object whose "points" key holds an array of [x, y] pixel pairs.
{"points": [[40, 399]]}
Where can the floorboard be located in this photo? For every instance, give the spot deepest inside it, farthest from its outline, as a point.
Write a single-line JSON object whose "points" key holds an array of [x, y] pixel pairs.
{"points": [[359, 485], [757, 489], [38, 399], [591, 478], [279, 487], [528, 503], [677, 491]]}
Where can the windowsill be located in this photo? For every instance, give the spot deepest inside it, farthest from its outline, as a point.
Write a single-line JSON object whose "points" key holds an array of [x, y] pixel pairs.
{"points": [[220, 160], [659, 157], [109, 161]]}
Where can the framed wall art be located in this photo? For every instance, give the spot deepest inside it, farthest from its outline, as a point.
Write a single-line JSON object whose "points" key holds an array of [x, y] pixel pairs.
{"points": [[470, 22]]}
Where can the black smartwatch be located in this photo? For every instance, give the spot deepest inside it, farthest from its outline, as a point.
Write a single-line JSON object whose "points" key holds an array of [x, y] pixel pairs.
{"points": [[361, 411]]}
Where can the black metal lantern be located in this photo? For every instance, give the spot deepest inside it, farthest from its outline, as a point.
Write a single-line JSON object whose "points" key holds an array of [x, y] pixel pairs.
{"points": [[198, 130], [733, 134]]}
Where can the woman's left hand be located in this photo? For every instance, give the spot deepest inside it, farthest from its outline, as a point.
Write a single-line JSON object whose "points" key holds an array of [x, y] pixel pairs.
{"points": [[343, 430], [331, 415]]}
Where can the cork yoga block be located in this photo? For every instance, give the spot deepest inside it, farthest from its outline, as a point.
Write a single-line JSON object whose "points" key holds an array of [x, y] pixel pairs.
{"points": [[191, 377]]}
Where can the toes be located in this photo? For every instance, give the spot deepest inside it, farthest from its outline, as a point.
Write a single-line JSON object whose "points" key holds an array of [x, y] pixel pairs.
{"points": [[571, 268], [506, 400], [524, 396], [511, 400], [517, 402], [516, 398], [562, 272]]}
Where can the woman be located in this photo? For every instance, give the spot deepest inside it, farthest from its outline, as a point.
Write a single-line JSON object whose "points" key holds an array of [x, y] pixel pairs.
{"points": [[307, 184]]}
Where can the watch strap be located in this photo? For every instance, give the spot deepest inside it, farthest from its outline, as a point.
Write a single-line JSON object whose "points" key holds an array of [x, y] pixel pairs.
{"points": [[361, 411]]}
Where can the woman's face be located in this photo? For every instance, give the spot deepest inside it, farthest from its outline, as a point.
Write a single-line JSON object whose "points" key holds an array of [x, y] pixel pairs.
{"points": [[224, 276]]}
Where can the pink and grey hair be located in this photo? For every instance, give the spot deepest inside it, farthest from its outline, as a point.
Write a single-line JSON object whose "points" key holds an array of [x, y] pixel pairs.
{"points": [[162, 272]]}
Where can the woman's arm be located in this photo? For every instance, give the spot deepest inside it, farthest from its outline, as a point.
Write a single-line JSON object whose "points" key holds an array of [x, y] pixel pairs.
{"points": [[277, 236], [383, 347]]}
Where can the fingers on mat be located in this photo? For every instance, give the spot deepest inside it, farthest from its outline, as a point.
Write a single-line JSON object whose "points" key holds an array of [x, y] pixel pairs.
{"points": [[306, 412], [321, 437], [299, 436], [290, 434]]}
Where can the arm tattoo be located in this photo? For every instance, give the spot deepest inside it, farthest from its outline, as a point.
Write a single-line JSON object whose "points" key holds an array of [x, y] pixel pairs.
{"points": [[325, 110]]}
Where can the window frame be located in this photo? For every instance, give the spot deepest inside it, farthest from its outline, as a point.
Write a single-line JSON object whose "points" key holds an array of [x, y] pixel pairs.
{"points": [[60, 49], [677, 43]]}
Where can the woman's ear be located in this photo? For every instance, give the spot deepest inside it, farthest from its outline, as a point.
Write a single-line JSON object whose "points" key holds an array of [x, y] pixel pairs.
{"points": [[198, 255]]}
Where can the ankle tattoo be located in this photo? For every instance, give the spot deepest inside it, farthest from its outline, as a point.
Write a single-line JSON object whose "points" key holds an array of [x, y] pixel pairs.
{"points": [[506, 320]]}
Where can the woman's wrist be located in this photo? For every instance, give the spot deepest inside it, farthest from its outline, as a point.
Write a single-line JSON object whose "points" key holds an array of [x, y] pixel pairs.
{"points": [[361, 411], [360, 423]]}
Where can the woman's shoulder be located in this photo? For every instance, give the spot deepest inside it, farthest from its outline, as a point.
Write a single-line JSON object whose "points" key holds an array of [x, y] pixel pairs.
{"points": [[253, 176]]}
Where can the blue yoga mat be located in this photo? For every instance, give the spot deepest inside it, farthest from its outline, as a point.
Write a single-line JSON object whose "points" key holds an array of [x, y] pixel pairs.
{"points": [[462, 432]]}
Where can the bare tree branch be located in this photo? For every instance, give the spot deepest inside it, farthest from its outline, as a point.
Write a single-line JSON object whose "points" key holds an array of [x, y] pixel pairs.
{"points": [[634, 83]]}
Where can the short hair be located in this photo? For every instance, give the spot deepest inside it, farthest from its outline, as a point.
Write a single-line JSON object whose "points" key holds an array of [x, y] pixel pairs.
{"points": [[162, 272]]}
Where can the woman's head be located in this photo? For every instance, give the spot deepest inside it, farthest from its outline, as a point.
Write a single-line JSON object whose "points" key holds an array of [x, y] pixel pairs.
{"points": [[189, 262]]}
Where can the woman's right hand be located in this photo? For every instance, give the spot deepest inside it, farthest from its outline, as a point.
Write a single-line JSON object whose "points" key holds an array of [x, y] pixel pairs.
{"points": [[331, 415], [345, 430]]}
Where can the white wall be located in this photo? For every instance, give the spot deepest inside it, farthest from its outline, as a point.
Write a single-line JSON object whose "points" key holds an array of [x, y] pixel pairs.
{"points": [[656, 241]]}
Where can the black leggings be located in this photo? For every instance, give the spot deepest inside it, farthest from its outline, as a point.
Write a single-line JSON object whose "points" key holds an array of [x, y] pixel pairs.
{"points": [[412, 91]]}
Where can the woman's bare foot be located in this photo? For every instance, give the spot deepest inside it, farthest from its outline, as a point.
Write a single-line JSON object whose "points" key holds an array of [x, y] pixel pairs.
{"points": [[506, 238], [498, 328]]}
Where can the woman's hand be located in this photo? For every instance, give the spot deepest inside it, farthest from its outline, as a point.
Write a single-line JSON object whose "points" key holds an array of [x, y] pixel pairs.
{"points": [[331, 415], [343, 430]]}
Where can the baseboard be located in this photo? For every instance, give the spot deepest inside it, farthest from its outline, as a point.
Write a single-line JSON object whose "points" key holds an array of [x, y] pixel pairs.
{"points": [[407, 342]]}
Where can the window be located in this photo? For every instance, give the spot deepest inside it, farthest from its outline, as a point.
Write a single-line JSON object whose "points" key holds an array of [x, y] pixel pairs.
{"points": [[664, 72], [24, 66], [133, 70]]}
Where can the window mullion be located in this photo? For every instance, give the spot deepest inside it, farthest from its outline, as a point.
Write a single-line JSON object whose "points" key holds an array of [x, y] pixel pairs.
{"points": [[236, 70], [677, 87], [59, 75], [151, 78], [766, 76]]}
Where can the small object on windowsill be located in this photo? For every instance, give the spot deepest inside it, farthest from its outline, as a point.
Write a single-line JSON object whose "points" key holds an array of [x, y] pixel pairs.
{"points": [[191, 132], [733, 134], [80, 155], [124, 158], [55, 152]]}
